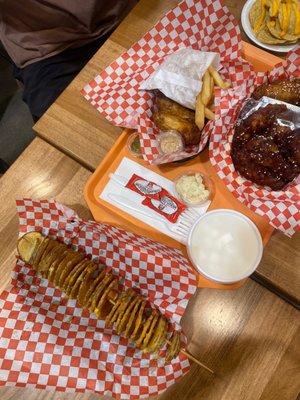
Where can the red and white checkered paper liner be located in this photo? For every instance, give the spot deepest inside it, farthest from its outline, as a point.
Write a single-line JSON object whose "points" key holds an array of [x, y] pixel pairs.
{"points": [[281, 208], [201, 25], [49, 342]]}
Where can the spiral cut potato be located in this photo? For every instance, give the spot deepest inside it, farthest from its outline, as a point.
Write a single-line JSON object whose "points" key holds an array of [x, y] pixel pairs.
{"points": [[97, 289]]}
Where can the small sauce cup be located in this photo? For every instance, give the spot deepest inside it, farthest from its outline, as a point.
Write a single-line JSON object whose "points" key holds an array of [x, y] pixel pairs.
{"points": [[133, 145], [207, 182]]}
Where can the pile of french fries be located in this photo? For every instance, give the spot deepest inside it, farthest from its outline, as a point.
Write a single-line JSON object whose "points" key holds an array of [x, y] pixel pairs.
{"points": [[205, 99]]}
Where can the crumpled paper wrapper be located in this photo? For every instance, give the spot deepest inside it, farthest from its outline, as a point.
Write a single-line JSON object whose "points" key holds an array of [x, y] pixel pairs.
{"points": [[49, 342], [280, 208], [179, 77], [198, 25]]}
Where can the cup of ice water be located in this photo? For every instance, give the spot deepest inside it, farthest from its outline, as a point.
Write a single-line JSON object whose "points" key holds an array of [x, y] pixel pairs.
{"points": [[225, 246]]}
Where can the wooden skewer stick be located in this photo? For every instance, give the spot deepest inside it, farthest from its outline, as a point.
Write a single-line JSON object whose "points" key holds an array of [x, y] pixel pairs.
{"points": [[192, 358], [185, 352]]}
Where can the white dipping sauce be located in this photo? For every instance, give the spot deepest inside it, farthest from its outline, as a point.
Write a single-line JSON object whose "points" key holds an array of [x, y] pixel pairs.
{"points": [[225, 246]]}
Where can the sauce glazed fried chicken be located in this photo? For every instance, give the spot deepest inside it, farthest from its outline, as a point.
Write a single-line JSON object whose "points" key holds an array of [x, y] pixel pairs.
{"points": [[284, 90], [266, 151]]}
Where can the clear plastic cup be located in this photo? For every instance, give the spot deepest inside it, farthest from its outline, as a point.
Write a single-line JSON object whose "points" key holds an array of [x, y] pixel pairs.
{"points": [[207, 182], [133, 145], [170, 142], [225, 246]]}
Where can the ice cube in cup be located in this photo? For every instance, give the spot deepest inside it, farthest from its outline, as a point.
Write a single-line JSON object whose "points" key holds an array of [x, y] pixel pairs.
{"points": [[231, 255]]}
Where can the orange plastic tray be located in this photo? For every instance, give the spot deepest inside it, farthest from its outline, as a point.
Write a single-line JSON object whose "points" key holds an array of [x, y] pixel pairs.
{"points": [[105, 212]]}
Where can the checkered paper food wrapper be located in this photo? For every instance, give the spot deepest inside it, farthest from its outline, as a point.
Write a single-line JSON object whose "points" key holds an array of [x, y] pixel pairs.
{"points": [[49, 342], [280, 208], [201, 25]]}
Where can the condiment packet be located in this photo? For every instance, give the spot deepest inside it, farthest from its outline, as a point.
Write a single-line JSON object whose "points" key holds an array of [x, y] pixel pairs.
{"points": [[49, 342], [167, 206], [157, 198], [125, 170], [179, 77], [144, 187]]}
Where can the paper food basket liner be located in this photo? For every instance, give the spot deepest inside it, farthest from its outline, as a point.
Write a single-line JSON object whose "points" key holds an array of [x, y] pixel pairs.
{"points": [[280, 208], [208, 26], [201, 25], [49, 342]]}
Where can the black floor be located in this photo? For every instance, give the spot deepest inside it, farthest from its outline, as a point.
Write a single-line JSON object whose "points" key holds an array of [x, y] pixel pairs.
{"points": [[15, 120]]}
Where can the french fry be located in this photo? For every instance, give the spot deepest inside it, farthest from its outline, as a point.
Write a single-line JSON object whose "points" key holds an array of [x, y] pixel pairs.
{"points": [[217, 78], [212, 97], [212, 85], [206, 88], [209, 114], [211, 107], [199, 112]]}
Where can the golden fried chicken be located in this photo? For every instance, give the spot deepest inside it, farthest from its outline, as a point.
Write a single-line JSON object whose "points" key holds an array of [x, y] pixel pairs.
{"points": [[169, 115], [169, 106], [266, 151], [284, 90]]}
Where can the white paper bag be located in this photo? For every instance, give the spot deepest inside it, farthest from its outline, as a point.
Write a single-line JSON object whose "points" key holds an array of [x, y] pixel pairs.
{"points": [[179, 77]]}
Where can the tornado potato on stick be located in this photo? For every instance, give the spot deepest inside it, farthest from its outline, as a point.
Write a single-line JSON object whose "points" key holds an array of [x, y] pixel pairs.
{"points": [[98, 290]]}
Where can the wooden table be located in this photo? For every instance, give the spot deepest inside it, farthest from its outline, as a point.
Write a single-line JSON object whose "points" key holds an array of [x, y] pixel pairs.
{"points": [[250, 336], [73, 126]]}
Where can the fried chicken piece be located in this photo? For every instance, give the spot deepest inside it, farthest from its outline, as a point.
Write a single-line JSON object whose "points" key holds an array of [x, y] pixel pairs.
{"points": [[294, 146], [256, 123], [169, 115], [284, 90], [265, 151], [167, 122], [171, 107]]}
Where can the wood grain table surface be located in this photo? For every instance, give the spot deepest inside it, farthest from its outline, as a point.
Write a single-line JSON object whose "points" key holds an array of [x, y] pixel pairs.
{"points": [[75, 127], [250, 337]]}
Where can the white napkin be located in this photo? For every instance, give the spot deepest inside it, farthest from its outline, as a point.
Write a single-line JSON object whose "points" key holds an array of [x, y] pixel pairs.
{"points": [[179, 77], [126, 169]]}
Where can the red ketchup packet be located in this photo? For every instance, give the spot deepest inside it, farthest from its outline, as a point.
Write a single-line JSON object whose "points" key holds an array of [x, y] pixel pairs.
{"points": [[157, 198], [144, 187], [167, 206]]}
